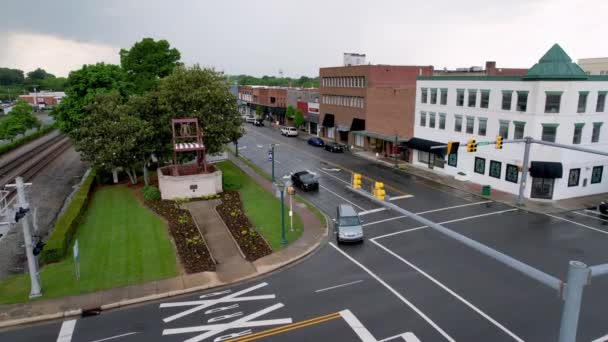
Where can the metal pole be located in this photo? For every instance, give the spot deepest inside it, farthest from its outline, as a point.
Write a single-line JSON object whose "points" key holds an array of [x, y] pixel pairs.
{"points": [[569, 147], [272, 153], [599, 270], [236, 147], [36, 289], [291, 212], [395, 152], [283, 239], [524, 172], [578, 275]]}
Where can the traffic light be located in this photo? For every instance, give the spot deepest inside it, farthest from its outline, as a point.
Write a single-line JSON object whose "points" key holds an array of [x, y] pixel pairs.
{"points": [[499, 142], [356, 181], [453, 147], [472, 145], [19, 214], [379, 192], [38, 248]]}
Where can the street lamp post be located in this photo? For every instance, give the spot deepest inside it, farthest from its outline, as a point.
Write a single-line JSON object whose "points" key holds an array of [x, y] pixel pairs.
{"points": [[281, 187], [272, 154]]}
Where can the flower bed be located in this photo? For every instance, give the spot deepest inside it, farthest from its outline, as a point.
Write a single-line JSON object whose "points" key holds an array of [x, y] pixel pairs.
{"points": [[250, 241], [191, 247]]}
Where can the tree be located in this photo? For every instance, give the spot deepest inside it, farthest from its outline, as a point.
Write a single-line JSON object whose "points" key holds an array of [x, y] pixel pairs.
{"points": [[290, 112], [38, 75], [148, 61], [53, 83], [298, 119], [259, 112], [24, 115], [11, 76], [204, 94], [83, 86], [110, 137], [10, 127]]}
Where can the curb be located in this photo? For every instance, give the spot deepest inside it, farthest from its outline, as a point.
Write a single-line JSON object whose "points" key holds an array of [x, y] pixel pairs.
{"points": [[127, 302]]}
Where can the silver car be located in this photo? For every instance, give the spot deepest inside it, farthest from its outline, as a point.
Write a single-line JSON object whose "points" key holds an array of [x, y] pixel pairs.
{"points": [[347, 225]]}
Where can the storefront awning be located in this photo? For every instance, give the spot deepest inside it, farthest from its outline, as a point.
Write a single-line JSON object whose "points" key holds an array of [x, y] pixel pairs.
{"points": [[425, 145], [328, 120], [357, 125], [380, 136], [546, 169]]}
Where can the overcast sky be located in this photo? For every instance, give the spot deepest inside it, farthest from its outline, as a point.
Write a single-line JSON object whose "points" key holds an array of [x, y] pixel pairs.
{"points": [[264, 36]]}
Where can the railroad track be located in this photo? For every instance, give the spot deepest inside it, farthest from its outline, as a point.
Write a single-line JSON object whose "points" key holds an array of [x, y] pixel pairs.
{"points": [[31, 162]]}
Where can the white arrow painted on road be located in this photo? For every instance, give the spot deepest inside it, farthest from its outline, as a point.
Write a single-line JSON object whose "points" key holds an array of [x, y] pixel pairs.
{"points": [[366, 336], [260, 146], [242, 148], [332, 170]]}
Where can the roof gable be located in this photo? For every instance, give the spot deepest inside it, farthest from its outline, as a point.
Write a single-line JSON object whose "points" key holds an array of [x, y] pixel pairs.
{"points": [[555, 64]]}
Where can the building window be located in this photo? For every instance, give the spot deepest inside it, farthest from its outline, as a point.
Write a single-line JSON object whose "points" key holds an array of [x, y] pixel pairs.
{"points": [[470, 124], [506, 99], [433, 95], [438, 161], [441, 120], [483, 125], [573, 177], [549, 132], [522, 101], [423, 157], [503, 129], [330, 132], [553, 101], [480, 165], [424, 94], [432, 120], [422, 119], [578, 133], [460, 97], [596, 174], [485, 99], [595, 135], [472, 97], [512, 173], [458, 123], [453, 159], [582, 101], [444, 96], [601, 101], [495, 168], [359, 140], [519, 129]]}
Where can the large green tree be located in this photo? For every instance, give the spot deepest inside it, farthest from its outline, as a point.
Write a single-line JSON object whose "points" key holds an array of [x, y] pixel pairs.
{"points": [[18, 121], [298, 119], [148, 61], [38, 75], [11, 76], [82, 87], [110, 137]]}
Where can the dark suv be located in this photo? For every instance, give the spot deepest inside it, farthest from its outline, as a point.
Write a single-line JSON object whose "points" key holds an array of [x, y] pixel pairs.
{"points": [[603, 207], [305, 181], [334, 147]]}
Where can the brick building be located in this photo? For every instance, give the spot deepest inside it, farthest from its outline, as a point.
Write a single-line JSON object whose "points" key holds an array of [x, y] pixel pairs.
{"points": [[369, 106], [43, 98], [272, 100]]}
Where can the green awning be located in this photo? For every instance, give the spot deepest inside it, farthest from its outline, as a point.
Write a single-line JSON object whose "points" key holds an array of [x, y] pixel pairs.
{"points": [[550, 124], [523, 91], [554, 92], [583, 92], [577, 125]]}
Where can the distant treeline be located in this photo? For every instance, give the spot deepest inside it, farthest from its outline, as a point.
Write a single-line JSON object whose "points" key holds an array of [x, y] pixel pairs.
{"points": [[14, 82], [304, 81]]}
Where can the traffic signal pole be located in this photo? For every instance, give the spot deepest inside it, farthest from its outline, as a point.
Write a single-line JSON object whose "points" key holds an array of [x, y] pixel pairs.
{"points": [[36, 289], [524, 172]]}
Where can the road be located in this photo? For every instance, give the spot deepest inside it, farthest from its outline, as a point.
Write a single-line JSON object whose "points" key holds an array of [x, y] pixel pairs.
{"points": [[404, 283]]}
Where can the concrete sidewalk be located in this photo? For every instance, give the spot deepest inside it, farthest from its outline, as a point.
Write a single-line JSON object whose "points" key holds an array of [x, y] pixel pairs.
{"points": [[231, 267], [536, 206]]}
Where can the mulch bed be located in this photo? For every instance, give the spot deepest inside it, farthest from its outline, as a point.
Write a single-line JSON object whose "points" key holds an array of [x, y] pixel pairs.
{"points": [[191, 247], [250, 241]]}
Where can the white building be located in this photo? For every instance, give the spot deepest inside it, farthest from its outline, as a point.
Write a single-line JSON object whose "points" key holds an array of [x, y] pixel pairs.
{"points": [[554, 101], [351, 59], [594, 66]]}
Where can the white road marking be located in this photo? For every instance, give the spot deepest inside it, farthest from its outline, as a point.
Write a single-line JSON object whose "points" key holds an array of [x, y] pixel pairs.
{"points": [[400, 197], [397, 294], [330, 175], [578, 224], [448, 290], [445, 222], [591, 216], [335, 194], [332, 170], [601, 339], [117, 336], [408, 337], [66, 331], [243, 148], [337, 286], [260, 146], [452, 207], [596, 212], [361, 213], [365, 335], [385, 220]]}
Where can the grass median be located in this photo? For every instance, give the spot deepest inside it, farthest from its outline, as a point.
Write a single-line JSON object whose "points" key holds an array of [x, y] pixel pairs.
{"points": [[261, 206], [121, 243]]}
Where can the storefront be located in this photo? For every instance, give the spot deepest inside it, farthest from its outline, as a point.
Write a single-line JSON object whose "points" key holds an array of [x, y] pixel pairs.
{"points": [[543, 178]]}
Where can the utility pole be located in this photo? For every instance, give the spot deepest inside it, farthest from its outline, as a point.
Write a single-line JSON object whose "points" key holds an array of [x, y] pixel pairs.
{"points": [[23, 205], [524, 171]]}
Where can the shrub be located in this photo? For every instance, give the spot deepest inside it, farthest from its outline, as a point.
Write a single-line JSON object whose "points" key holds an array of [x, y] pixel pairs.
{"points": [[150, 193], [24, 140], [65, 228], [231, 180]]}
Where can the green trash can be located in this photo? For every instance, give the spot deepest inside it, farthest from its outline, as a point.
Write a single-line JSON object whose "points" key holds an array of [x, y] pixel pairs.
{"points": [[485, 190]]}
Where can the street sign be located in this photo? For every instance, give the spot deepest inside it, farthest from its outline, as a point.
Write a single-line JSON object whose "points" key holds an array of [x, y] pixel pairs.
{"points": [[269, 155], [484, 143], [77, 260]]}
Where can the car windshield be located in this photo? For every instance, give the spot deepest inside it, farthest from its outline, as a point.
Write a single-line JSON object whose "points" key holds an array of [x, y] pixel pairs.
{"points": [[349, 221], [306, 177]]}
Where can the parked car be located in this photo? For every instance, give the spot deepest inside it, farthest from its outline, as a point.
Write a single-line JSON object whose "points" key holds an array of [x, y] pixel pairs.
{"points": [[305, 181], [250, 119], [334, 147], [603, 207], [316, 142], [289, 131], [347, 224], [258, 122]]}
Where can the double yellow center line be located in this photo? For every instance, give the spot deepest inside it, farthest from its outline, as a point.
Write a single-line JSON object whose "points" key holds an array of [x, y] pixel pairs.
{"points": [[286, 328]]}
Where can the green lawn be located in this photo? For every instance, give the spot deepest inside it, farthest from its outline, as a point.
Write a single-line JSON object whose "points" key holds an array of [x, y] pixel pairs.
{"points": [[121, 243], [261, 206]]}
